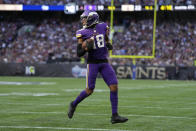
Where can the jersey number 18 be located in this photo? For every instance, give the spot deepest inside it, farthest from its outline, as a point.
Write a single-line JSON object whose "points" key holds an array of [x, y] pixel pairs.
{"points": [[100, 41]]}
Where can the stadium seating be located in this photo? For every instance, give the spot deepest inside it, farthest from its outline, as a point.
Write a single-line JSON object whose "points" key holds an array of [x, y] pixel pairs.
{"points": [[53, 40]]}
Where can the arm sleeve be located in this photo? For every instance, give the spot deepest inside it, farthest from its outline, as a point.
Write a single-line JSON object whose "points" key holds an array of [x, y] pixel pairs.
{"points": [[80, 51]]}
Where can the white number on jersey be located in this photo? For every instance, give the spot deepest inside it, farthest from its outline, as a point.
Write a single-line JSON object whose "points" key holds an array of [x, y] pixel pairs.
{"points": [[99, 40]]}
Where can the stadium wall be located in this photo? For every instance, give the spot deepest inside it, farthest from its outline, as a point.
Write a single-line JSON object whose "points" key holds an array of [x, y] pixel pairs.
{"points": [[79, 70]]}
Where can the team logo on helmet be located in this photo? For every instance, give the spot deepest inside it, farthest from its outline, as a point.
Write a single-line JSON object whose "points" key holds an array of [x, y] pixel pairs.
{"points": [[91, 18]]}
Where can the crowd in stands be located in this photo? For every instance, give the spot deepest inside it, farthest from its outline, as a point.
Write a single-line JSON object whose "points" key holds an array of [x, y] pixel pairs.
{"points": [[175, 43], [102, 2], [53, 40], [49, 41]]}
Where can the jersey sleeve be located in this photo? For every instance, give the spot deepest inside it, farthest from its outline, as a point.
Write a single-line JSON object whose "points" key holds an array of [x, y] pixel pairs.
{"points": [[106, 27], [79, 34]]}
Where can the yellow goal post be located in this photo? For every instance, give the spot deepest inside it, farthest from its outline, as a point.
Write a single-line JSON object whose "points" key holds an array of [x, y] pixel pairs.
{"points": [[154, 36]]}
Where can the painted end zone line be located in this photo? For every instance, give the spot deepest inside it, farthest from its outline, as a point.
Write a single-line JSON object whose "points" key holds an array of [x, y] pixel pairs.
{"points": [[62, 128]]}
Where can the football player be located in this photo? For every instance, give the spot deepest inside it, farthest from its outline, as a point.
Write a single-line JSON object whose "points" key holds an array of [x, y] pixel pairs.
{"points": [[93, 38]]}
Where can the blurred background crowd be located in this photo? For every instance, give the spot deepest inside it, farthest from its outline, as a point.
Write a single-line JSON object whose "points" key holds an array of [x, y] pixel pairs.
{"points": [[49, 39], [175, 42], [102, 2]]}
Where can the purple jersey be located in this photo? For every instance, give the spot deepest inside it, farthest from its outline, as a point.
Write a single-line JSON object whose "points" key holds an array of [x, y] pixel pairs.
{"points": [[99, 51]]}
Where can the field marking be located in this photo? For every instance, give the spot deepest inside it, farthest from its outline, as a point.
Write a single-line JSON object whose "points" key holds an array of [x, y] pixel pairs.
{"points": [[130, 101], [147, 107], [135, 87], [78, 90], [25, 83], [66, 104], [27, 94], [62, 128], [173, 117], [33, 104], [157, 87], [92, 114], [104, 99], [145, 101]]}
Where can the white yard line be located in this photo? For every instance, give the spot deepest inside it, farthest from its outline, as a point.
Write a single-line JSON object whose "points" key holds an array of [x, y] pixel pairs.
{"points": [[26, 83], [147, 107], [157, 86], [93, 114], [78, 90], [107, 100], [136, 87], [141, 101], [27, 94], [25, 104], [62, 128], [140, 107], [172, 117]]}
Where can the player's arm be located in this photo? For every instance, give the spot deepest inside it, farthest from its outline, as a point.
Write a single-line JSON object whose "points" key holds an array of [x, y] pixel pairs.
{"points": [[108, 44], [84, 46], [80, 50]]}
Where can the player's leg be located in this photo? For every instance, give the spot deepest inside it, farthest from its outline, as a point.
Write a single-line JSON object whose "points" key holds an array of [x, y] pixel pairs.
{"points": [[72, 107], [110, 78], [92, 71], [114, 102]]}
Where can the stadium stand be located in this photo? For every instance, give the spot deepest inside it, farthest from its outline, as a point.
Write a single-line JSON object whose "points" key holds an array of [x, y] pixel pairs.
{"points": [[137, 40], [52, 40]]}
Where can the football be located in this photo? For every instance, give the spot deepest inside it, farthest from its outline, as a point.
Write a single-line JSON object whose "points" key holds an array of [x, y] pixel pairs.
{"points": [[88, 44]]}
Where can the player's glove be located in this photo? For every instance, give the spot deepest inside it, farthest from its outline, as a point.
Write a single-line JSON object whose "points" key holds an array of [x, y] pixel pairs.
{"points": [[109, 46], [80, 50], [90, 44]]}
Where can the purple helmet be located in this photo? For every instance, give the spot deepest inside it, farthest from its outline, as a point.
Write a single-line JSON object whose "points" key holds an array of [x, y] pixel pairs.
{"points": [[91, 16], [85, 14]]}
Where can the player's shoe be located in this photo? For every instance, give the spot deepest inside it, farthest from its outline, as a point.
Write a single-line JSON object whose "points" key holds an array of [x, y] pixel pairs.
{"points": [[118, 119], [71, 110]]}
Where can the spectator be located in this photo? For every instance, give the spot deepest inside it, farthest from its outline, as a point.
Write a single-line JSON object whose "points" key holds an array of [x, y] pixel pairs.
{"points": [[52, 40]]}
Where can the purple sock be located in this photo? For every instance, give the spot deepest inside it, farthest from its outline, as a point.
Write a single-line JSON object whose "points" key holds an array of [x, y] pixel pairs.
{"points": [[114, 101], [81, 97]]}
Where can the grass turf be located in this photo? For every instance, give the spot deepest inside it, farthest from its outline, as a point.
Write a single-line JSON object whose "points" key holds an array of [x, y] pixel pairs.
{"points": [[150, 105]]}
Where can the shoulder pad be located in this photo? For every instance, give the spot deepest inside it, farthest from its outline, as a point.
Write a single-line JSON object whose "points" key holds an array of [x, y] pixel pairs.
{"points": [[79, 33]]}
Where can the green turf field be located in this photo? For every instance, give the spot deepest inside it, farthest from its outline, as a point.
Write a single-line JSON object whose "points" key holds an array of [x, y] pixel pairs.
{"points": [[41, 104]]}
